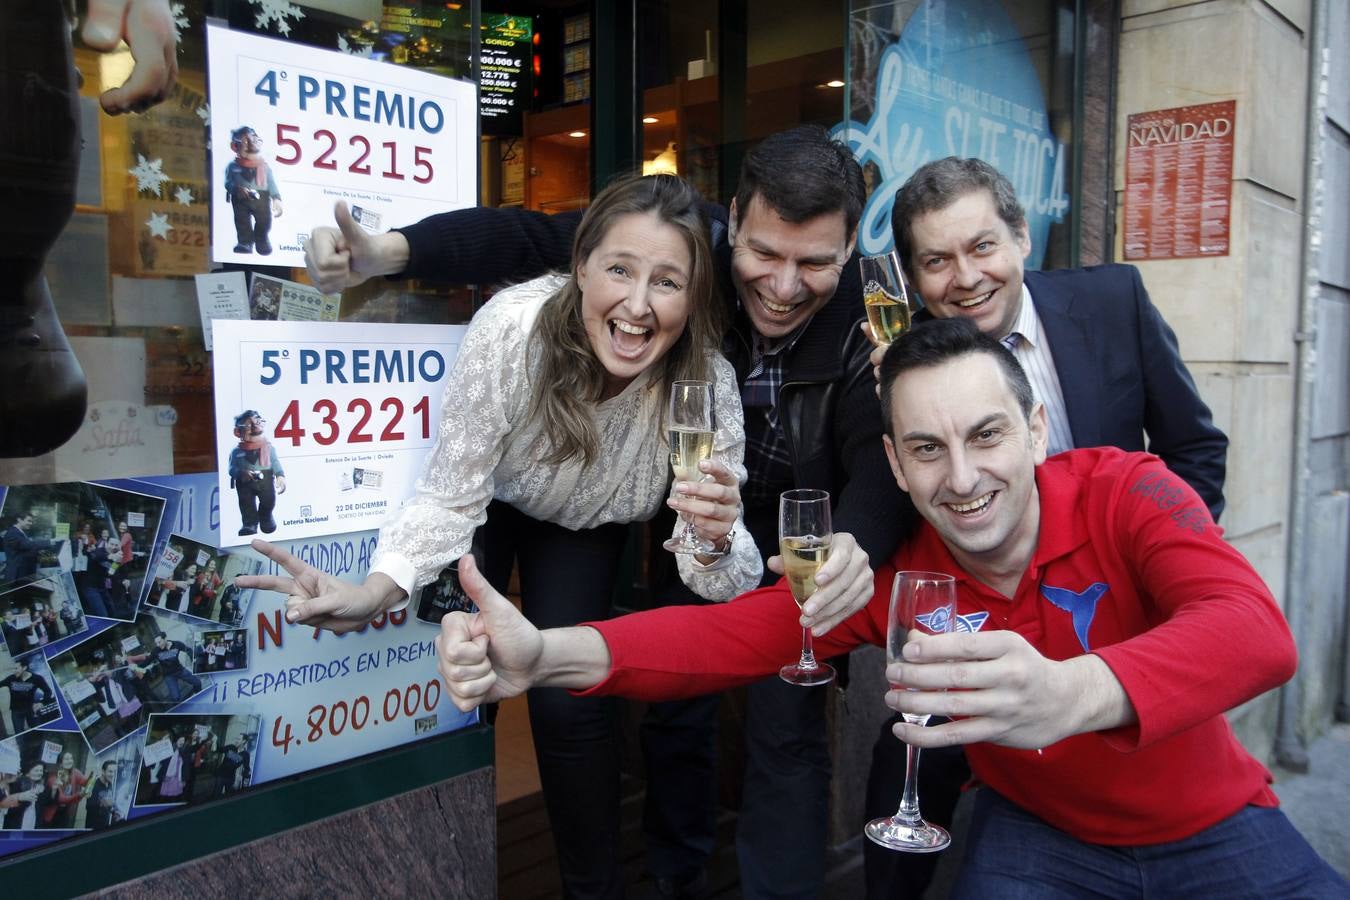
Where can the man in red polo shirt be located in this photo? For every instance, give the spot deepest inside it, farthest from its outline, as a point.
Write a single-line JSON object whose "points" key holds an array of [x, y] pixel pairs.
{"points": [[1106, 628]]}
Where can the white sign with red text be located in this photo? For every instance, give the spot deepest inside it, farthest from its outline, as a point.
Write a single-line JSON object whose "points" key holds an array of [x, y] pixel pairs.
{"points": [[396, 143], [346, 413]]}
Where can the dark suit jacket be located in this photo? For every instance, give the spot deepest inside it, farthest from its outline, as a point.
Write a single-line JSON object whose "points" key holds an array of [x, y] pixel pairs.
{"points": [[1122, 375], [21, 554]]}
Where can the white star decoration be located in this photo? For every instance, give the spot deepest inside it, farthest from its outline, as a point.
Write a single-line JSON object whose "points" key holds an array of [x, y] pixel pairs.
{"points": [[180, 21], [159, 226], [149, 174], [204, 113], [183, 196], [276, 12]]}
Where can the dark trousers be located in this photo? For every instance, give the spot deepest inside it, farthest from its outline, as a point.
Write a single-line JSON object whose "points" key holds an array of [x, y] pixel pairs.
{"points": [[94, 597], [21, 719], [679, 816], [1254, 853], [119, 602], [252, 218], [567, 577], [781, 834], [892, 875], [175, 682], [781, 829], [257, 499]]}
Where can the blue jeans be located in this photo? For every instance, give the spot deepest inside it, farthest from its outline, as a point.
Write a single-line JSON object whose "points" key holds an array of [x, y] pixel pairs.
{"points": [[94, 600], [1254, 853], [175, 682]]}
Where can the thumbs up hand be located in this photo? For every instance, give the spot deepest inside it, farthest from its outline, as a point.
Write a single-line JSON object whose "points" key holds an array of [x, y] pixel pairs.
{"points": [[343, 257], [488, 655]]}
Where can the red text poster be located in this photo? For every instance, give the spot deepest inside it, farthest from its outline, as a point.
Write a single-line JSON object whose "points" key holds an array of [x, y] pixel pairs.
{"points": [[1179, 181]]}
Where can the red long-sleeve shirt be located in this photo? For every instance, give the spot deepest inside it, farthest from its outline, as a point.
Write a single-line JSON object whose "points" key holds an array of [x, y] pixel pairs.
{"points": [[1180, 617]]}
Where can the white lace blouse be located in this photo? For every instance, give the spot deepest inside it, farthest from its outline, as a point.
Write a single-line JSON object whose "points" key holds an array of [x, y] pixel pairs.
{"points": [[487, 447]]}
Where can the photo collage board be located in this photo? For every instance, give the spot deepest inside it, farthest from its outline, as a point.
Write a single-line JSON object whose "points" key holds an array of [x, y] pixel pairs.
{"points": [[137, 677]]}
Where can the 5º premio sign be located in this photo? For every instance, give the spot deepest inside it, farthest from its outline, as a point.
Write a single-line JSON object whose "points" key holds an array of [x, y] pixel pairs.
{"points": [[323, 427]]}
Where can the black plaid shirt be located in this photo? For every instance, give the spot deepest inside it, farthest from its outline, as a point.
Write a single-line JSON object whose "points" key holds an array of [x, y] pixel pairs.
{"points": [[767, 461]]}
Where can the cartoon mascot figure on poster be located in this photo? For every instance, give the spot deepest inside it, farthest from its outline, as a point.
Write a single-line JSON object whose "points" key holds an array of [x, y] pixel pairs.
{"points": [[255, 474], [251, 189]]}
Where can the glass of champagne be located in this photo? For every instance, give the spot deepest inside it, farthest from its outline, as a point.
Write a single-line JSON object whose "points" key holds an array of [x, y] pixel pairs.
{"points": [[690, 422], [926, 602], [885, 296], [804, 534]]}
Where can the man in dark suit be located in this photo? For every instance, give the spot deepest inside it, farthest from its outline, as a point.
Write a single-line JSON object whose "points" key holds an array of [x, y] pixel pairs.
{"points": [[21, 551], [100, 805], [1098, 355]]}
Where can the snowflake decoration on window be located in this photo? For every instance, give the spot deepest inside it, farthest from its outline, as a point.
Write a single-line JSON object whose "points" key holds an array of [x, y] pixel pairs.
{"points": [[183, 196], [149, 174], [275, 12], [204, 113], [159, 226], [180, 21]]}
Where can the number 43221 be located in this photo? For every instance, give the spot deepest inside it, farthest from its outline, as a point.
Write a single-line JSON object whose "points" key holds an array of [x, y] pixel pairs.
{"points": [[358, 425]]}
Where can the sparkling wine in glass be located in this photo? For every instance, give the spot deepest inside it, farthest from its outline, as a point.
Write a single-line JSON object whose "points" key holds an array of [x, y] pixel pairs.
{"points": [[885, 296], [926, 602], [690, 422], [804, 535]]}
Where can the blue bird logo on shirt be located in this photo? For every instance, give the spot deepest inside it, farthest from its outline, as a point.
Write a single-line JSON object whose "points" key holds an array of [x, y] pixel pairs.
{"points": [[1082, 606]]}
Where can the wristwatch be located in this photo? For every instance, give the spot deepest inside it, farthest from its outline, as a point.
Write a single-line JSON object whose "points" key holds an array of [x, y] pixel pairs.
{"points": [[724, 547]]}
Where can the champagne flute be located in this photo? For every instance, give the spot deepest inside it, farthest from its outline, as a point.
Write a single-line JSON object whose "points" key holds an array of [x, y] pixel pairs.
{"points": [[885, 296], [690, 421], [922, 601], [804, 534]]}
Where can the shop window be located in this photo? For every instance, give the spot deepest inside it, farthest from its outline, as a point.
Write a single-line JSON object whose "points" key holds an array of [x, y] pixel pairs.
{"points": [[982, 78]]}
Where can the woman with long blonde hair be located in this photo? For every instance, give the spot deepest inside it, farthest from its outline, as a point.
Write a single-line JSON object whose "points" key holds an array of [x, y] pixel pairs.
{"points": [[553, 437]]}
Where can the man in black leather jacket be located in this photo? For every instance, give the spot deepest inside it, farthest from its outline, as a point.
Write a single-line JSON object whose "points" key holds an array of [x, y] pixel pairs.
{"points": [[784, 251]]}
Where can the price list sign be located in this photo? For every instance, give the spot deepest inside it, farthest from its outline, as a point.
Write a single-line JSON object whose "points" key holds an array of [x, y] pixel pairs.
{"points": [[295, 129], [1179, 181], [323, 426], [504, 72]]}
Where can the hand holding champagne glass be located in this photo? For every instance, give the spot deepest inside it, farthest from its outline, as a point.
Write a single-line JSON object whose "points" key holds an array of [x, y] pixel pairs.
{"points": [[885, 296], [924, 601], [804, 534], [690, 420]]}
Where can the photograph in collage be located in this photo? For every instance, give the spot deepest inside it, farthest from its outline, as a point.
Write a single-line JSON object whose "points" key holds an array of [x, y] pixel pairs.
{"points": [[191, 578], [39, 612], [444, 595], [220, 650], [114, 680], [192, 757], [44, 781], [104, 536], [27, 694]]}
